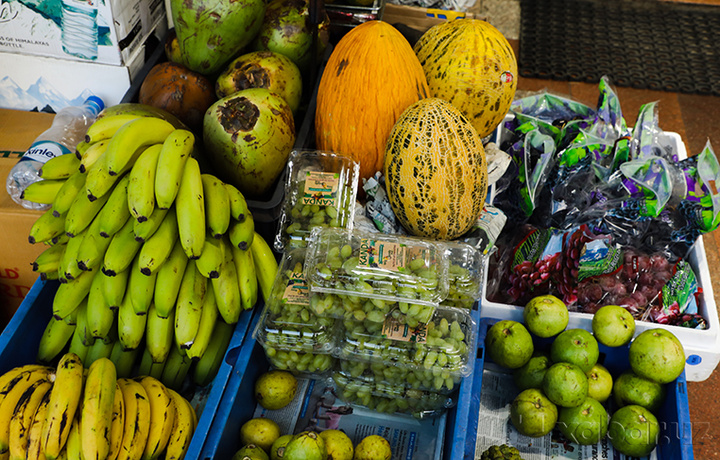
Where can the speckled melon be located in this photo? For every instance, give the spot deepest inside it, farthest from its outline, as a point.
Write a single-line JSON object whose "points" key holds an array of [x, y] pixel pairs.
{"points": [[435, 170], [470, 64]]}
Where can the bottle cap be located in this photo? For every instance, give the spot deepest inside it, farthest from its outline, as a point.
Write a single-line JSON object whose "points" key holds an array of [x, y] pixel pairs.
{"points": [[95, 102]]}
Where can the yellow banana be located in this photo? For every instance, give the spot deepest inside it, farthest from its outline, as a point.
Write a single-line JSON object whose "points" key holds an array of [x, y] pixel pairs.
{"points": [[55, 337], [81, 148], [238, 205], [148, 367], [217, 205], [59, 167], [100, 348], [46, 227], [183, 428], [22, 418], [73, 186], [34, 435], [122, 250], [92, 249], [144, 230], [162, 415], [124, 360], [212, 257], [24, 386], [188, 309], [100, 318], [140, 288], [69, 295], [159, 334], [247, 277], [137, 419], [132, 136], [99, 178], [106, 126], [49, 260], [266, 265], [171, 163], [207, 323], [207, 367], [242, 233], [73, 445], [42, 191], [114, 287], [69, 268], [117, 423], [77, 347], [131, 327], [97, 409], [141, 189], [65, 397], [90, 156], [13, 376], [176, 369], [167, 282], [115, 212], [158, 247], [227, 290], [190, 205], [82, 212]]}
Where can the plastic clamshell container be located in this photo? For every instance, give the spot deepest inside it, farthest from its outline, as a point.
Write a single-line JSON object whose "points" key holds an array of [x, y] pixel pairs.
{"points": [[466, 269], [702, 346], [20, 338], [320, 190], [390, 399], [436, 355], [361, 275], [293, 337], [391, 376]]}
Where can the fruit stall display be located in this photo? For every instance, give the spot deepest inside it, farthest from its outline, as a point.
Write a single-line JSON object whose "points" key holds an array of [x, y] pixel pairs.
{"points": [[154, 267]]}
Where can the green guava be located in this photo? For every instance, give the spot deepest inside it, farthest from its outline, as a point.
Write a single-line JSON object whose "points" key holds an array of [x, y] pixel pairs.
{"points": [[251, 452], [576, 346], [373, 447], [307, 445], [584, 424], [600, 383], [532, 413], [531, 374], [613, 326], [630, 388], [633, 431], [338, 445], [546, 315], [275, 389], [259, 431], [277, 450], [658, 355], [509, 344], [565, 384]]}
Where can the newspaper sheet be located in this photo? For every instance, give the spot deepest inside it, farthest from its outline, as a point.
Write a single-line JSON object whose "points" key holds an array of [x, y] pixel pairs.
{"points": [[494, 427]]}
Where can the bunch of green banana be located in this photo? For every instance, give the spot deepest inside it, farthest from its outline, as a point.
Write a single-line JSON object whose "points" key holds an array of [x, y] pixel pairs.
{"points": [[150, 251], [72, 411]]}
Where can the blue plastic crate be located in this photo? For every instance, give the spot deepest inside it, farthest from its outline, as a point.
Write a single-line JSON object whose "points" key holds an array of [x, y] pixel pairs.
{"points": [[19, 343]]}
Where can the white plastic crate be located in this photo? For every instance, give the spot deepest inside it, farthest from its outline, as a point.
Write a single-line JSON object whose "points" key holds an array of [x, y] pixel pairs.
{"points": [[702, 347]]}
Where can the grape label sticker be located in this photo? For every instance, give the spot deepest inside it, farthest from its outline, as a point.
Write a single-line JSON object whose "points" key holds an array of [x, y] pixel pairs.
{"points": [[296, 291], [321, 188], [378, 254], [395, 330]]}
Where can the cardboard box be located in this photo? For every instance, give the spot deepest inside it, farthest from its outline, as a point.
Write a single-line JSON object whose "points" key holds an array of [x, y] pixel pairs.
{"points": [[17, 131], [420, 19], [41, 28], [41, 83]]}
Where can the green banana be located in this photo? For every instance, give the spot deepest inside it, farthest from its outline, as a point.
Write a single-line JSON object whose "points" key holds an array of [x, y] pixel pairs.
{"points": [[227, 291], [69, 268], [188, 309], [81, 324], [238, 205], [140, 288], [100, 318], [49, 260], [190, 205], [42, 191], [124, 360], [55, 337], [90, 156], [207, 367], [73, 186], [217, 205], [212, 257], [132, 136], [122, 250], [159, 334], [168, 280], [99, 179], [266, 265], [242, 233], [77, 347], [106, 126], [59, 167], [46, 227], [149, 367], [81, 213], [158, 247], [207, 323], [144, 230], [247, 277], [92, 249], [176, 369], [115, 212], [100, 348], [171, 163], [81, 148], [114, 288], [141, 189], [131, 327], [69, 295]]}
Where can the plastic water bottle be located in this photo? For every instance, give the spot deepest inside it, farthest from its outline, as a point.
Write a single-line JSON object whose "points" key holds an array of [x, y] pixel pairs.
{"points": [[67, 131], [79, 28]]}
